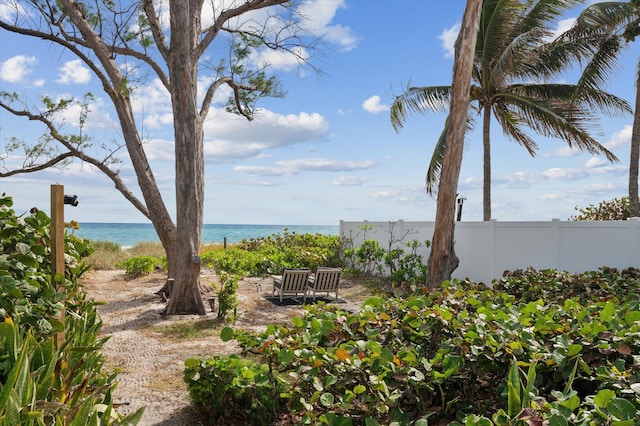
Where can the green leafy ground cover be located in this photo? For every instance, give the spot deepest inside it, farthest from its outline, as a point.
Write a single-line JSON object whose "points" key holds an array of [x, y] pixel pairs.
{"points": [[51, 370], [542, 346]]}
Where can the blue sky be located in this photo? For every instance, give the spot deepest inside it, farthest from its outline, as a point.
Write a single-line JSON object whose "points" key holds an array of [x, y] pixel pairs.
{"points": [[327, 151]]}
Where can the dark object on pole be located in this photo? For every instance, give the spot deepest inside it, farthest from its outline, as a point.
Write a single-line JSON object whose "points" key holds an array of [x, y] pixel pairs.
{"points": [[71, 200], [460, 203]]}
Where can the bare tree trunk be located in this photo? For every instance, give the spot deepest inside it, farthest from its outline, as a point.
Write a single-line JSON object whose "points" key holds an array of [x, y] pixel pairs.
{"points": [[443, 260], [634, 204], [188, 129], [486, 146]]}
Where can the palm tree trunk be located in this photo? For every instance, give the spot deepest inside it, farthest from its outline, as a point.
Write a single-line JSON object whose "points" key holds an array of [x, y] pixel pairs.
{"points": [[486, 145], [634, 205], [442, 259]]}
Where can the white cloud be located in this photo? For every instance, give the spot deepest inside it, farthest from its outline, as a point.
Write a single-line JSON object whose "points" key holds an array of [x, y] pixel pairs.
{"points": [[15, 69], [285, 61], [621, 138], [319, 14], [157, 121], [297, 166], [345, 180], [561, 28], [566, 151], [151, 99], [232, 137], [160, 150], [374, 106], [325, 165], [9, 9], [264, 171], [448, 40], [73, 72], [595, 162]]}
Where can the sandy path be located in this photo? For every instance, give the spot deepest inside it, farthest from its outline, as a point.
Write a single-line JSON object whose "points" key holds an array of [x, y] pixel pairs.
{"points": [[150, 364]]}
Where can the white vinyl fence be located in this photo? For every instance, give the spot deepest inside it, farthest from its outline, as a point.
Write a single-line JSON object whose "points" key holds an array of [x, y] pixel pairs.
{"points": [[487, 249]]}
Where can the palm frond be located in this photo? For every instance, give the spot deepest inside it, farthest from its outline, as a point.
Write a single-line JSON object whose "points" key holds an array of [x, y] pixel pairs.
{"points": [[420, 100], [432, 179], [560, 120]]}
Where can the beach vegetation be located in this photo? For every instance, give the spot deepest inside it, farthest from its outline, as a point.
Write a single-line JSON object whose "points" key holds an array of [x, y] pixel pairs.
{"points": [[269, 255], [108, 255], [615, 209], [102, 37], [51, 369], [540, 347], [139, 266], [227, 294]]}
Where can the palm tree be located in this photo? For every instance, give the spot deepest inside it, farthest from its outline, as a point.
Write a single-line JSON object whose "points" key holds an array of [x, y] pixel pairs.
{"points": [[442, 258], [511, 58], [611, 26]]}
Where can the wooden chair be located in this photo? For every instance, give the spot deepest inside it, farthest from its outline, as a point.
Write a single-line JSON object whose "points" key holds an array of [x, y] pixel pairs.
{"points": [[325, 279], [292, 281]]}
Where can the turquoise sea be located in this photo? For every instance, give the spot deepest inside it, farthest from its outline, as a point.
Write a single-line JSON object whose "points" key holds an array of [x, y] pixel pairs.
{"points": [[130, 234]]}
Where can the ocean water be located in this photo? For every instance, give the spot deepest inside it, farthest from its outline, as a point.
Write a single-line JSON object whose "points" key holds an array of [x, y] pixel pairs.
{"points": [[130, 234]]}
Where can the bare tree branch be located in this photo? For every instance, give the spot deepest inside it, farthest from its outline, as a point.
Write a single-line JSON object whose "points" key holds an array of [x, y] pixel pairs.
{"points": [[211, 32], [39, 167], [74, 152], [156, 29]]}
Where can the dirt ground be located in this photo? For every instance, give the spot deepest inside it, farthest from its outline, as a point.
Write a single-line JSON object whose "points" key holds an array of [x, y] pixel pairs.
{"points": [[150, 363]]}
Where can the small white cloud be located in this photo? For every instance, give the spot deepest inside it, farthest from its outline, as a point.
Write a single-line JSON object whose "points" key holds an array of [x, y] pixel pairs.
{"points": [[349, 180], [9, 10], [595, 162], [561, 28], [325, 165], [17, 68], [73, 72], [448, 40], [285, 61], [621, 138], [374, 106], [566, 152], [554, 196], [264, 171]]}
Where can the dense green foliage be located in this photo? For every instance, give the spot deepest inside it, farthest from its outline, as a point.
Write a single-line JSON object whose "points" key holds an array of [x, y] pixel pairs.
{"points": [[51, 371], [231, 388], [270, 255], [139, 266], [543, 345], [615, 209]]}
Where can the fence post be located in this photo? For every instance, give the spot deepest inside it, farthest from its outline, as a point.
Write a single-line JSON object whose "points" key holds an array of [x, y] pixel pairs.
{"points": [[57, 245]]}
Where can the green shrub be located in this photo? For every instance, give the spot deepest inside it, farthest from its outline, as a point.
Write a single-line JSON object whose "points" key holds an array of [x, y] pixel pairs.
{"points": [[51, 369], [615, 209], [227, 294], [232, 390], [139, 266], [270, 255], [464, 352]]}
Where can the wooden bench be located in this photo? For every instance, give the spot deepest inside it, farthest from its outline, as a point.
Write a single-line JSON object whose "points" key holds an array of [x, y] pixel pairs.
{"points": [[325, 279], [291, 282]]}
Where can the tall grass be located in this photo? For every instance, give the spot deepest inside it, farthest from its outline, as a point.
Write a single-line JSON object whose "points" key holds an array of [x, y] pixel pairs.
{"points": [[107, 255]]}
